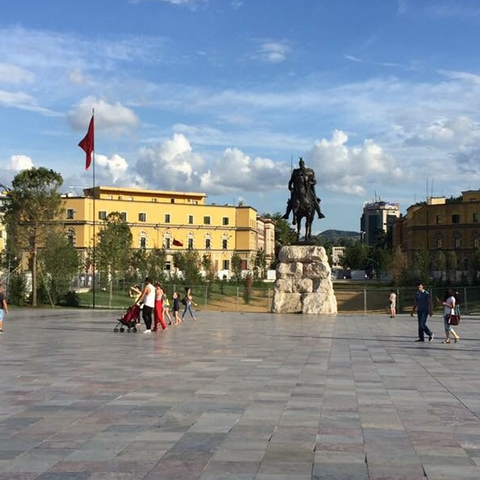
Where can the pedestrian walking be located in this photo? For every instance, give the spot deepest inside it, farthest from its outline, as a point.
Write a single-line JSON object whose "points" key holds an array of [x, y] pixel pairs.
{"points": [[176, 308], [3, 308], [188, 302], [449, 304], [158, 311], [423, 306], [148, 298], [166, 308], [393, 303]]}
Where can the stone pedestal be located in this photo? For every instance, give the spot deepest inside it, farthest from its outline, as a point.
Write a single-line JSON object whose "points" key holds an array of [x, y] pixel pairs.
{"points": [[304, 283]]}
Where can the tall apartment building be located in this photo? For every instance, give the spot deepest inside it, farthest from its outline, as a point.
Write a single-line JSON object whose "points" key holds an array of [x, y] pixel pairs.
{"points": [[175, 221], [378, 217], [442, 225]]}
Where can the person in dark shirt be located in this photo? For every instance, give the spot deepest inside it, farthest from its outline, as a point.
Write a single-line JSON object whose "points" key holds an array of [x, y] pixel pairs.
{"points": [[176, 309], [3, 308], [423, 306]]}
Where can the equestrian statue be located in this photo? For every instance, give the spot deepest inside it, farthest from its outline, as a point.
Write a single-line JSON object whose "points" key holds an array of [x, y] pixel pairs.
{"points": [[303, 199]]}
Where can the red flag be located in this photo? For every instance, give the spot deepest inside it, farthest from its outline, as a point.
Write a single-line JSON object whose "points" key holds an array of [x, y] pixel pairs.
{"points": [[177, 243], [88, 144]]}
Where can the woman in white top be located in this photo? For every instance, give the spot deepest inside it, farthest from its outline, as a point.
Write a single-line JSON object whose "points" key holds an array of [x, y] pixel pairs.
{"points": [[148, 297], [449, 309]]}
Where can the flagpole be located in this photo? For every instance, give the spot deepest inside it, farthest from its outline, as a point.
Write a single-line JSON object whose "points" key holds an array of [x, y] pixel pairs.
{"points": [[94, 222]]}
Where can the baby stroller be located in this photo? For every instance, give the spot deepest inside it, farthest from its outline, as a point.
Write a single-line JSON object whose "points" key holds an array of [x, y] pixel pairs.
{"points": [[129, 320]]}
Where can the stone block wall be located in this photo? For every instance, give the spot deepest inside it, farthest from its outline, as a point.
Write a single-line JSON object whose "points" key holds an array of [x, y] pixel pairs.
{"points": [[304, 283]]}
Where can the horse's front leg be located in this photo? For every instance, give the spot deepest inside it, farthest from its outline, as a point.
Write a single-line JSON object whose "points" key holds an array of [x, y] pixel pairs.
{"points": [[299, 226]]}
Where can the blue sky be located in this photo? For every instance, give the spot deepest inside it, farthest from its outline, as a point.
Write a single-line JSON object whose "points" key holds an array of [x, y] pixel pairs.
{"points": [[219, 95]]}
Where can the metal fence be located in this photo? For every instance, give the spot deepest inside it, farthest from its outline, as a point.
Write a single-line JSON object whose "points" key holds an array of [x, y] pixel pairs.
{"points": [[230, 297]]}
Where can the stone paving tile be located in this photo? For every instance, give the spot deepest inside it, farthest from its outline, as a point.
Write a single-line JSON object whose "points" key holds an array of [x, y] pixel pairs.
{"points": [[237, 397]]}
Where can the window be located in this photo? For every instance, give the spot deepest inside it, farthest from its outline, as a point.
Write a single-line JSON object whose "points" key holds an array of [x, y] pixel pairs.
{"points": [[71, 236], [206, 220], [190, 219], [190, 243], [475, 242], [167, 242], [456, 218], [475, 218], [123, 216], [208, 243], [172, 200], [70, 213], [224, 244], [102, 215], [439, 242], [168, 266], [167, 218], [143, 241], [465, 263], [142, 217], [244, 265], [226, 265], [457, 242], [438, 219], [225, 220]]}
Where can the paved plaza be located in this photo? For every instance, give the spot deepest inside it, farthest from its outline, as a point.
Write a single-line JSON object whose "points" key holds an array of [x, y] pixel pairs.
{"points": [[237, 397]]}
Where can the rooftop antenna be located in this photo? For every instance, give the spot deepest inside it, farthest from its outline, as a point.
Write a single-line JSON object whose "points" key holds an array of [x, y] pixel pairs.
{"points": [[431, 189]]}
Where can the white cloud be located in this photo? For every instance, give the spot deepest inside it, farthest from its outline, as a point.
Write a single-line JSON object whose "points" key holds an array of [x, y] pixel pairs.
{"points": [[112, 168], [457, 8], [23, 101], [273, 52], [402, 6], [77, 77], [352, 58], [189, 3], [171, 165], [235, 171], [341, 168], [14, 75], [20, 162], [113, 117]]}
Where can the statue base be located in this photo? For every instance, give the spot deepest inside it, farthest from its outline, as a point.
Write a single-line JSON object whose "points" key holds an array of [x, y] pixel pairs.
{"points": [[304, 283]]}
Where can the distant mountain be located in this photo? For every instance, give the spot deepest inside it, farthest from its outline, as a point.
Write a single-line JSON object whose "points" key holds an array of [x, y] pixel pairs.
{"points": [[335, 235]]}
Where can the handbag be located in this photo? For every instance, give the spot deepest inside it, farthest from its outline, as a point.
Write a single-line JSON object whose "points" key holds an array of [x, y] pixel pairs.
{"points": [[453, 319]]}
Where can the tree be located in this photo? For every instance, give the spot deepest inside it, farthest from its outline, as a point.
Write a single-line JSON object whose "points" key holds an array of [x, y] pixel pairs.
{"points": [[452, 264], [355, 257], [237, 267], [284, 233], [398, 265], [421, 264], [207, 265], [260, 262], [441, 263], [113, 252], [60, 263], [32, 204], [149, 263], [188, 262]]}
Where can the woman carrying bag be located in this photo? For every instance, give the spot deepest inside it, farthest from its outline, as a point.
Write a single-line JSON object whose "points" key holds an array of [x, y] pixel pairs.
{"points": [[450, 318]]}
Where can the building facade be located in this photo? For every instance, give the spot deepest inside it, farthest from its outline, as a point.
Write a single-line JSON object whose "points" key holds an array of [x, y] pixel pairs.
{"points": [[378, 217], [442, 225], [174, 221]]}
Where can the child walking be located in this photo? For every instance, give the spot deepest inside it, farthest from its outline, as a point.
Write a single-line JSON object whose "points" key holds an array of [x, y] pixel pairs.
{"points": [[176, 308]]}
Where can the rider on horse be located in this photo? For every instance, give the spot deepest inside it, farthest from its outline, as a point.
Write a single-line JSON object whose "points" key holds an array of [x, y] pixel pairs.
{"points": [[302, 187]]}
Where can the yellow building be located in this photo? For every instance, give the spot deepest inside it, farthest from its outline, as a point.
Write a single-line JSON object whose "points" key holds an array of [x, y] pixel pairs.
{"points": [[175, 221], [442, 225]]}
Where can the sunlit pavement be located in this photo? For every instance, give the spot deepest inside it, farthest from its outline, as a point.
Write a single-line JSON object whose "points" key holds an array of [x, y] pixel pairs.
{"points": [[237, 397]]}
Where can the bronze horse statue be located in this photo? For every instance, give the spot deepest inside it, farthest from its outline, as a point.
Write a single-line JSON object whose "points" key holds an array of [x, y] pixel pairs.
{"points": [[303, 200]]}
